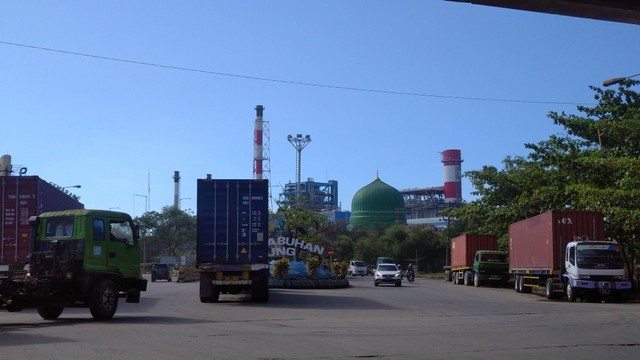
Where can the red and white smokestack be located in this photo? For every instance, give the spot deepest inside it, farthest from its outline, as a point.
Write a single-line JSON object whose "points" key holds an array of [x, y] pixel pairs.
{"points": [[452, 161], [257, 144], [176, 189]]}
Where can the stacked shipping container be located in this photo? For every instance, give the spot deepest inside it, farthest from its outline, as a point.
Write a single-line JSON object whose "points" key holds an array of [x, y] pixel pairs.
{"points": [[22, 197]]}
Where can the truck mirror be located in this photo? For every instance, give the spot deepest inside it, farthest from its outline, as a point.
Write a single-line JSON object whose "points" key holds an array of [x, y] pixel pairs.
{"points": [[34, 220]]}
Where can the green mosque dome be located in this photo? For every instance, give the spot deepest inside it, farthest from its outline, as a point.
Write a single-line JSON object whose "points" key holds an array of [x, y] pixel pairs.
{"points": [[377, 206]]}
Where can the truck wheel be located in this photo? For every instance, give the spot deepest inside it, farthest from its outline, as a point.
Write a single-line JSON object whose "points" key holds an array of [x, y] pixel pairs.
{"points": [[518, 283], [467, 278], [476, 280], [260, 289], [214, 298], [15, 307], [50, 312], [549, 290], [103, 301], [571, 293]]}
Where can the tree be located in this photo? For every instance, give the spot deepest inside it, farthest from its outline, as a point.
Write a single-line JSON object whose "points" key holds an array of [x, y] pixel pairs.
{"points": [[594, 166], [171, 232]]}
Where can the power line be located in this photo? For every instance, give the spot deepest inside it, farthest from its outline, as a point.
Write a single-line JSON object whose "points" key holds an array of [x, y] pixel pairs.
{"points": [[300, 83]]}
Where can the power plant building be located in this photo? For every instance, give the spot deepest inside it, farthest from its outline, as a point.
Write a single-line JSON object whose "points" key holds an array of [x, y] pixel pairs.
{"points": [[312, 195]]}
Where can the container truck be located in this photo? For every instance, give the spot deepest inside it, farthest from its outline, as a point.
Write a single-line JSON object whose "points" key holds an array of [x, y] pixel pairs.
{"points": [[78, 258], [565, 254], [476, 260], [232, 238], [22, 197]]}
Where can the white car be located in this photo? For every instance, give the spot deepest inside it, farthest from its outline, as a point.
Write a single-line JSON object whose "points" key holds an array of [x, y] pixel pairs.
{"points": [[357, 267], [387, 274]]}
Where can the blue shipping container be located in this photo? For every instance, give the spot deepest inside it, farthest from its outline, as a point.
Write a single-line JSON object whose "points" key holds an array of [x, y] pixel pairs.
{"points": [[232, 221]]}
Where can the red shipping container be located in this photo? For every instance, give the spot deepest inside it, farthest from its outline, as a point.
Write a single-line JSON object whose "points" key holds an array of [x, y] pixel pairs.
{"points": [[538, 243], [22, 197], [464, 247]]}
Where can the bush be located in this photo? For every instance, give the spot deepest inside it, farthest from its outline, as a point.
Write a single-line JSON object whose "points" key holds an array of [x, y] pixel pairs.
{"points": [[312, 265], [281, 268], [339, 269]]}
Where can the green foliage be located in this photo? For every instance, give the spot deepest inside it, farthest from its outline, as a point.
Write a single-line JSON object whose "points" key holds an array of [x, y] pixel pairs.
{"points": [[593, 166], [339, 269], [281, 268], [312, 265], [170, 232]]}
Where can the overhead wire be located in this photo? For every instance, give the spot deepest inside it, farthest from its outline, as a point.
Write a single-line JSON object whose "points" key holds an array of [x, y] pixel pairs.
{"points": [[281, 81]]}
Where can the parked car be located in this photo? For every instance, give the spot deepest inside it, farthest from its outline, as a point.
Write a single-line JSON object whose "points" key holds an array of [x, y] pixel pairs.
{"points": [[387, 274], [160, 272], [357, 267]]}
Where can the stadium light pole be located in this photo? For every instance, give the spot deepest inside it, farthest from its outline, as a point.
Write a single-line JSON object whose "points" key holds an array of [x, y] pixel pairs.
{"points": [[298, 143]]}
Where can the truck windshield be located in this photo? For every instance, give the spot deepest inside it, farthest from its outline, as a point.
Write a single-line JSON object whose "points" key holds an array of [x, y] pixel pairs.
{"points": [[61, 227], [501, 258], [599, 257]]}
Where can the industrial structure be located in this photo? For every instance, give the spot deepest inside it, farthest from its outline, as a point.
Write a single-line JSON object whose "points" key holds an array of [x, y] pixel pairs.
{"points": [[421, 205], [425, 205], [176, 189], [317, 196], [262, 148]]}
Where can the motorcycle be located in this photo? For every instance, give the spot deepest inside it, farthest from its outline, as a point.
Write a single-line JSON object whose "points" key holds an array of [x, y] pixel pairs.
{"points": [[410, 277]]}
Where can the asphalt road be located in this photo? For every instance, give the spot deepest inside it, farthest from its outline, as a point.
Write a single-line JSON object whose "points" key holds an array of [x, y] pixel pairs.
{"points": [[429, 319]]}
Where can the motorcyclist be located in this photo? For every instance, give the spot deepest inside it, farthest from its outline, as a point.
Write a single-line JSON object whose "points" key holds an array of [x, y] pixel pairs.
{"points": [[410, 273]]}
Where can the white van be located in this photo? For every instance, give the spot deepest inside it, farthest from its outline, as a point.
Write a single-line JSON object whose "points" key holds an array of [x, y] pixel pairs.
{"points": [[357, 267]]}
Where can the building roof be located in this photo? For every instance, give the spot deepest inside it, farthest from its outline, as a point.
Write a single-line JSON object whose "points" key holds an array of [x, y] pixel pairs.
{"points": [[377, 205]]}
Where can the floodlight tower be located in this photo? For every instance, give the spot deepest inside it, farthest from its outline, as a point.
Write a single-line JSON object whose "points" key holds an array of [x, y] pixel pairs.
{"points": [[298, 143]]}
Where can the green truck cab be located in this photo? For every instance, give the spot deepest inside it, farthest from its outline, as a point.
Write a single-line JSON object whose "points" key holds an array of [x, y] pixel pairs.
{"points": [[490, 266], [79, 258]]}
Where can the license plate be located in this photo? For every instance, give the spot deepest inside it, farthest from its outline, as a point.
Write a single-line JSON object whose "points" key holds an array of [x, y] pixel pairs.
{"points": [[232, 278], [605, 291]]}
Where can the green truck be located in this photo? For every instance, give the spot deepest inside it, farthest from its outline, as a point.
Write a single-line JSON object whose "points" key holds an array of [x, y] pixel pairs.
{"points": [[79, 258], [475, 260]]}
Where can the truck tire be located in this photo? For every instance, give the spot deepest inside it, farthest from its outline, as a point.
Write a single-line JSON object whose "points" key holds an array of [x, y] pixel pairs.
{"points": [[571, 293], [260, 289], [549, 290], [467, 278], [103, 301], [476, 280], [215, 295], [516, 283], [50, 312]]}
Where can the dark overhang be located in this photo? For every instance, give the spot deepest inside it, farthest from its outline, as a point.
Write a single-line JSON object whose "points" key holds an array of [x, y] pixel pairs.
{"points": [[623, 11]]}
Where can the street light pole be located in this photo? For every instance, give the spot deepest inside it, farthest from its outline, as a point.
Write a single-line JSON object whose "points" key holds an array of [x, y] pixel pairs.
{"points": [[617, 80], [145, 202], [298, 143]]}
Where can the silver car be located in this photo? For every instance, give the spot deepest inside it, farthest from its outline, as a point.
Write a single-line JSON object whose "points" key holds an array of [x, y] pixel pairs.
{"points": [[387, 274]]}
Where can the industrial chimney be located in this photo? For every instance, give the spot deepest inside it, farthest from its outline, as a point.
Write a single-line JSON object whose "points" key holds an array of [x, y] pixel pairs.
{"points": [[257, 144], [452, 160], [176, 189]]}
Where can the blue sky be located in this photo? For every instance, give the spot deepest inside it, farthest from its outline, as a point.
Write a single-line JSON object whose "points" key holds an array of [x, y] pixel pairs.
{"points": [[443, 75]]}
